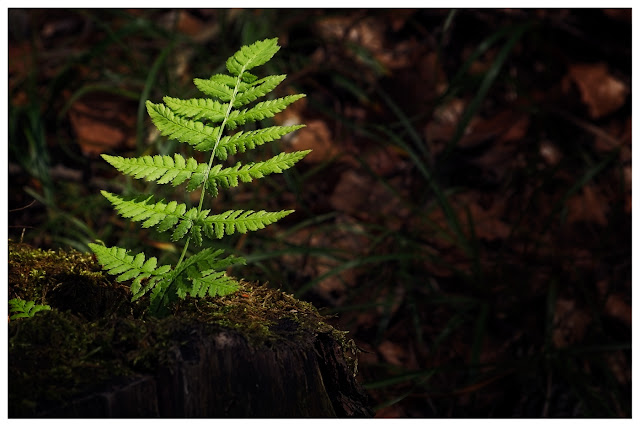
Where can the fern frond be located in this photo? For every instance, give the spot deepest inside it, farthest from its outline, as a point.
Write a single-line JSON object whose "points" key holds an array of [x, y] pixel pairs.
{"points": [[218, 86], [162, 169], [201, 123], [261, 110], [174, 215], [215, 283], [208, 276], [215, 112], [242, 141], [221, 86], [241, 221], [21, 309], [197, 108], [117, 261], [198, 275], [164, 215], [172, 125], [230, 177], [252, 56], [256, 90]]}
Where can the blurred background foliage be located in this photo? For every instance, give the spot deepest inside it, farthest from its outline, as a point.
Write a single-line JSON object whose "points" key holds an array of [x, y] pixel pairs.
{"points": [[465, 213]]}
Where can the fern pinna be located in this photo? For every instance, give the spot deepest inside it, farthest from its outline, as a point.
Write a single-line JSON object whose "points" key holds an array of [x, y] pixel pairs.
{"points": [[201, 123]]}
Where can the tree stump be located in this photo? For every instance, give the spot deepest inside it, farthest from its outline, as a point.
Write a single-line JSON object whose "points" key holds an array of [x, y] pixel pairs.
{"points": [[256, 353]]}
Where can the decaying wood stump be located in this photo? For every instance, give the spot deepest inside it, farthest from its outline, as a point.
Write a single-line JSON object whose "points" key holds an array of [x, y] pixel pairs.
{"points": [[257, 353]]}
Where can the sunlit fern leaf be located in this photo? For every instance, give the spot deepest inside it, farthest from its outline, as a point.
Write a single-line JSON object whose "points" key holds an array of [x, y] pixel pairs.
{"points": [[261, 110], [242, 141], [198, 108], [143, 209], [254, 55], [118, 261], [230, 177], [192, 132], [162, 169], [174, 214], [214, 112], [218, 86], [257, 89], [240, 221]]}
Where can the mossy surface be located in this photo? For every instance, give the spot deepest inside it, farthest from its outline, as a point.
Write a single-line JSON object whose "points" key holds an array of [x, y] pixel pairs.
{"points": [[94, 335]]}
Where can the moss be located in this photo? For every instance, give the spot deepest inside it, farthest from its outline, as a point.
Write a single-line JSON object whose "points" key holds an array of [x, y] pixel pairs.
{"points": [[94, 334]]}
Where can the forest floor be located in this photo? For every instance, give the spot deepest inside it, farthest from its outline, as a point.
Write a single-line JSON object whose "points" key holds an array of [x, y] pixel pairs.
{"points": [[465, 212]]}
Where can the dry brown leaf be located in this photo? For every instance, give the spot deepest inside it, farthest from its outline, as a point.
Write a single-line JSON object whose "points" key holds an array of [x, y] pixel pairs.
{"points": [[369, 32], [349, 238], [365, 32], [570, 323], [617, 308], [393, 353], [506, 126], [103, 122], [351, 194], [619, 366], [600, 91], [315, 136], [487, 222], [189, 24], [432, 75], [588, 206]]}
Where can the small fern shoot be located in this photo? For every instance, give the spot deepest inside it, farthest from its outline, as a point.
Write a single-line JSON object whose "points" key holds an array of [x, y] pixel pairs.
{"points": [[21, 308], [203, 123]]}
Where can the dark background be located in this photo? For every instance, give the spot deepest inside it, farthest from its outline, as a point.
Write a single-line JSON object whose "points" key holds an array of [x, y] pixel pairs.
{"points": [[465, 213]]}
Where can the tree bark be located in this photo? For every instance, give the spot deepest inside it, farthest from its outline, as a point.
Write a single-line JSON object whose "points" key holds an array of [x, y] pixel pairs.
{"points": [[220, 374]]}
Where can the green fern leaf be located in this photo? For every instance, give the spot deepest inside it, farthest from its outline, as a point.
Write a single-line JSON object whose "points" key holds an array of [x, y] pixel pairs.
{"points": [[163, 169], [22, 309], [215, 112], [168, 215], [165, 215], [221, 86], [198, 108], [117, 261], [218, 86], [261, 110], [230, 177], [216, 283], [242, 141], [256, 90], [240, 221], [162, 294], [199, 274], [252, 56], [190, 131], [208, 277]]}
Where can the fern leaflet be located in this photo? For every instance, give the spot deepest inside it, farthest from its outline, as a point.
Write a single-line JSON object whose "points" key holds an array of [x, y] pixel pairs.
{"points": [[22, 309]]}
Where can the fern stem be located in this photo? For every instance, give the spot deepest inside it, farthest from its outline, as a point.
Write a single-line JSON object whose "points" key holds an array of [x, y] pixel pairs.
{"points": [[213, 155]]}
